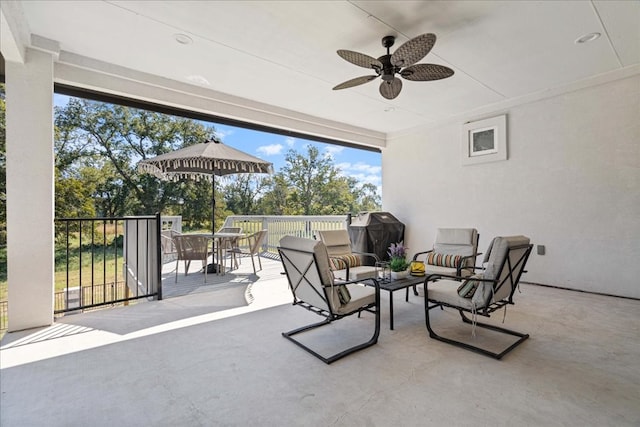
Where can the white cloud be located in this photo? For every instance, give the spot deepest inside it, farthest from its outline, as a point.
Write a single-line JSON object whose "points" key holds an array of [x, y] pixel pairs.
{"points": [[270, 150], [359, 169], [332, 150], [344, 166], [366, 178], [290, 141], [364, 173], [366, 168], [222, 134]]}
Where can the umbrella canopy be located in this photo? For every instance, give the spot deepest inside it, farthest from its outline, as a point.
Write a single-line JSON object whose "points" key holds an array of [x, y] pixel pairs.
{"points": [[204, 161]]}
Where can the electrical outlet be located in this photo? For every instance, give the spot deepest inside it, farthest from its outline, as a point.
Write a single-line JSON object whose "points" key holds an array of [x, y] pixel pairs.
{"points": [[541, 249]]}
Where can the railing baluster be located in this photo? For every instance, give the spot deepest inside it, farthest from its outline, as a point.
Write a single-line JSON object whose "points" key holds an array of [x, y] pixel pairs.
{"points": [[104, 261], [93, 235], [66, 303], [81, 293], [115, 251]]}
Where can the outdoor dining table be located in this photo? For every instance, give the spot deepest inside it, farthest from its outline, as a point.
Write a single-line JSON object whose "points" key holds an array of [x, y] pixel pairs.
{"points": [[216, 238]]}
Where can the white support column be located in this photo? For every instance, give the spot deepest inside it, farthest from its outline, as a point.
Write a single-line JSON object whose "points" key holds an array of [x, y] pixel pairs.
{"points": [[30, 190]]}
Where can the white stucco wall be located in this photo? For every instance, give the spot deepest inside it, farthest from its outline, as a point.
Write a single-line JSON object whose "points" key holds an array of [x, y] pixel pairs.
{"points": [[571, 183]]}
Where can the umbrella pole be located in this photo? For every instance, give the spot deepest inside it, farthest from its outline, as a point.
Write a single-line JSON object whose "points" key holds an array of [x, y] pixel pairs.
{"points": [[213, 267], [213, 204]]}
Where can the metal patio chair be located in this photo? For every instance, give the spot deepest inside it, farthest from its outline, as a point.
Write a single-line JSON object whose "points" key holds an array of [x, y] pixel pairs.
{"points": [[454, 252], [345, 263], [306, 264], [483, 293]]}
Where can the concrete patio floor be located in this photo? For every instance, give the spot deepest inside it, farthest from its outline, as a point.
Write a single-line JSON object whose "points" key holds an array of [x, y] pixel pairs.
{"points": [[214, 356]]}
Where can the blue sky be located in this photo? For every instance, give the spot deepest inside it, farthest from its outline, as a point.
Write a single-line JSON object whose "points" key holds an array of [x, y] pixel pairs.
{"points": [[365, 166]]}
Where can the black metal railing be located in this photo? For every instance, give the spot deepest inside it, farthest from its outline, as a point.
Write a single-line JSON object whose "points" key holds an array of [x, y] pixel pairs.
{"points": [[106, 261]]}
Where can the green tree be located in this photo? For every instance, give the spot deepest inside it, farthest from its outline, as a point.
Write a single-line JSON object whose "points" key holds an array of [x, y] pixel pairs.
{"points": [[73, 198], [309, 179], [315, 186], [113, 139], [275, 198], [367, 198], [243, 193]]}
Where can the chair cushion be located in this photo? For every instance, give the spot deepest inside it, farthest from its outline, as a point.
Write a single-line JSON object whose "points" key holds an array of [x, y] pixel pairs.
{"points": [[336, 241], [342, 261], [318, 248], [443, 260], [356, 273], [447, 291], [456, 236], [361, 296], [496, 269], [458, 241]]}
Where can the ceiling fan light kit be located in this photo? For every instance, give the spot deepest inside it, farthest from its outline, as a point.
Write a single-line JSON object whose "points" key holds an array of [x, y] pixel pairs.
{"points": [[401, 62]]}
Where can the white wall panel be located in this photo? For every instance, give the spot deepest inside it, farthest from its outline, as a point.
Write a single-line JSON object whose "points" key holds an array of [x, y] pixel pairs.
{"points": [[571, 183]]}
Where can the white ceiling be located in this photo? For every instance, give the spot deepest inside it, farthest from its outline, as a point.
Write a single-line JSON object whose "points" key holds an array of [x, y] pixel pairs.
{"points": [[283, 53]]}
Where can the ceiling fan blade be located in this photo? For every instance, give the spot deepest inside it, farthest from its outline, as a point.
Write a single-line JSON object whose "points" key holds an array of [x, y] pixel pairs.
{"points": [[391, 88], [360, 59], [354, 82], [425, 72], [413, 50]]}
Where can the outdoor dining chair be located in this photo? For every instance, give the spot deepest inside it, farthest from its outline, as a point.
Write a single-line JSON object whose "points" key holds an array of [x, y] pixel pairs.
{"points": [[306, 264], [169, 251], [191, 248], [250, 245], [227, 244]]}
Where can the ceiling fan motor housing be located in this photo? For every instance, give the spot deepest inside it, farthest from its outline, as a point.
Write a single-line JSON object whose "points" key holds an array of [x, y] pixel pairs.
{"points": [[388, 70], [388, 41]]}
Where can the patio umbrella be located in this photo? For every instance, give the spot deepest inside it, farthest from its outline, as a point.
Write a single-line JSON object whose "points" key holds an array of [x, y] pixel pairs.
{"points": [[204, 161]]}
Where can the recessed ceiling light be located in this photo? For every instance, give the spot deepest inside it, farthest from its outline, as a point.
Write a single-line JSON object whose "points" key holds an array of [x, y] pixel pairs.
{"points": [[183, 38], [587, 38]]}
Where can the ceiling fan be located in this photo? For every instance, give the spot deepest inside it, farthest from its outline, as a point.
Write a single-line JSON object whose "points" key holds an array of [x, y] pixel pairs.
{"points": [[400, 62]]}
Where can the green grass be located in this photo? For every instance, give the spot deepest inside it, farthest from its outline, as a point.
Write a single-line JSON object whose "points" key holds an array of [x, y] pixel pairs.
{"points": [[3, 273], [106, 268]]}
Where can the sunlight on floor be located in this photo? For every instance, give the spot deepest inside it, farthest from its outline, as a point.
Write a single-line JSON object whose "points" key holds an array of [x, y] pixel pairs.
{"points": [[59, 339]]}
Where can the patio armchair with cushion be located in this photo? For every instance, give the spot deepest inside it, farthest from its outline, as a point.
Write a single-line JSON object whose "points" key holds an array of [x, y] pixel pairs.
{"points": [[454, 252], [490, 289], [306, 264], [191, 248], [345, 263], [250, 245]]}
